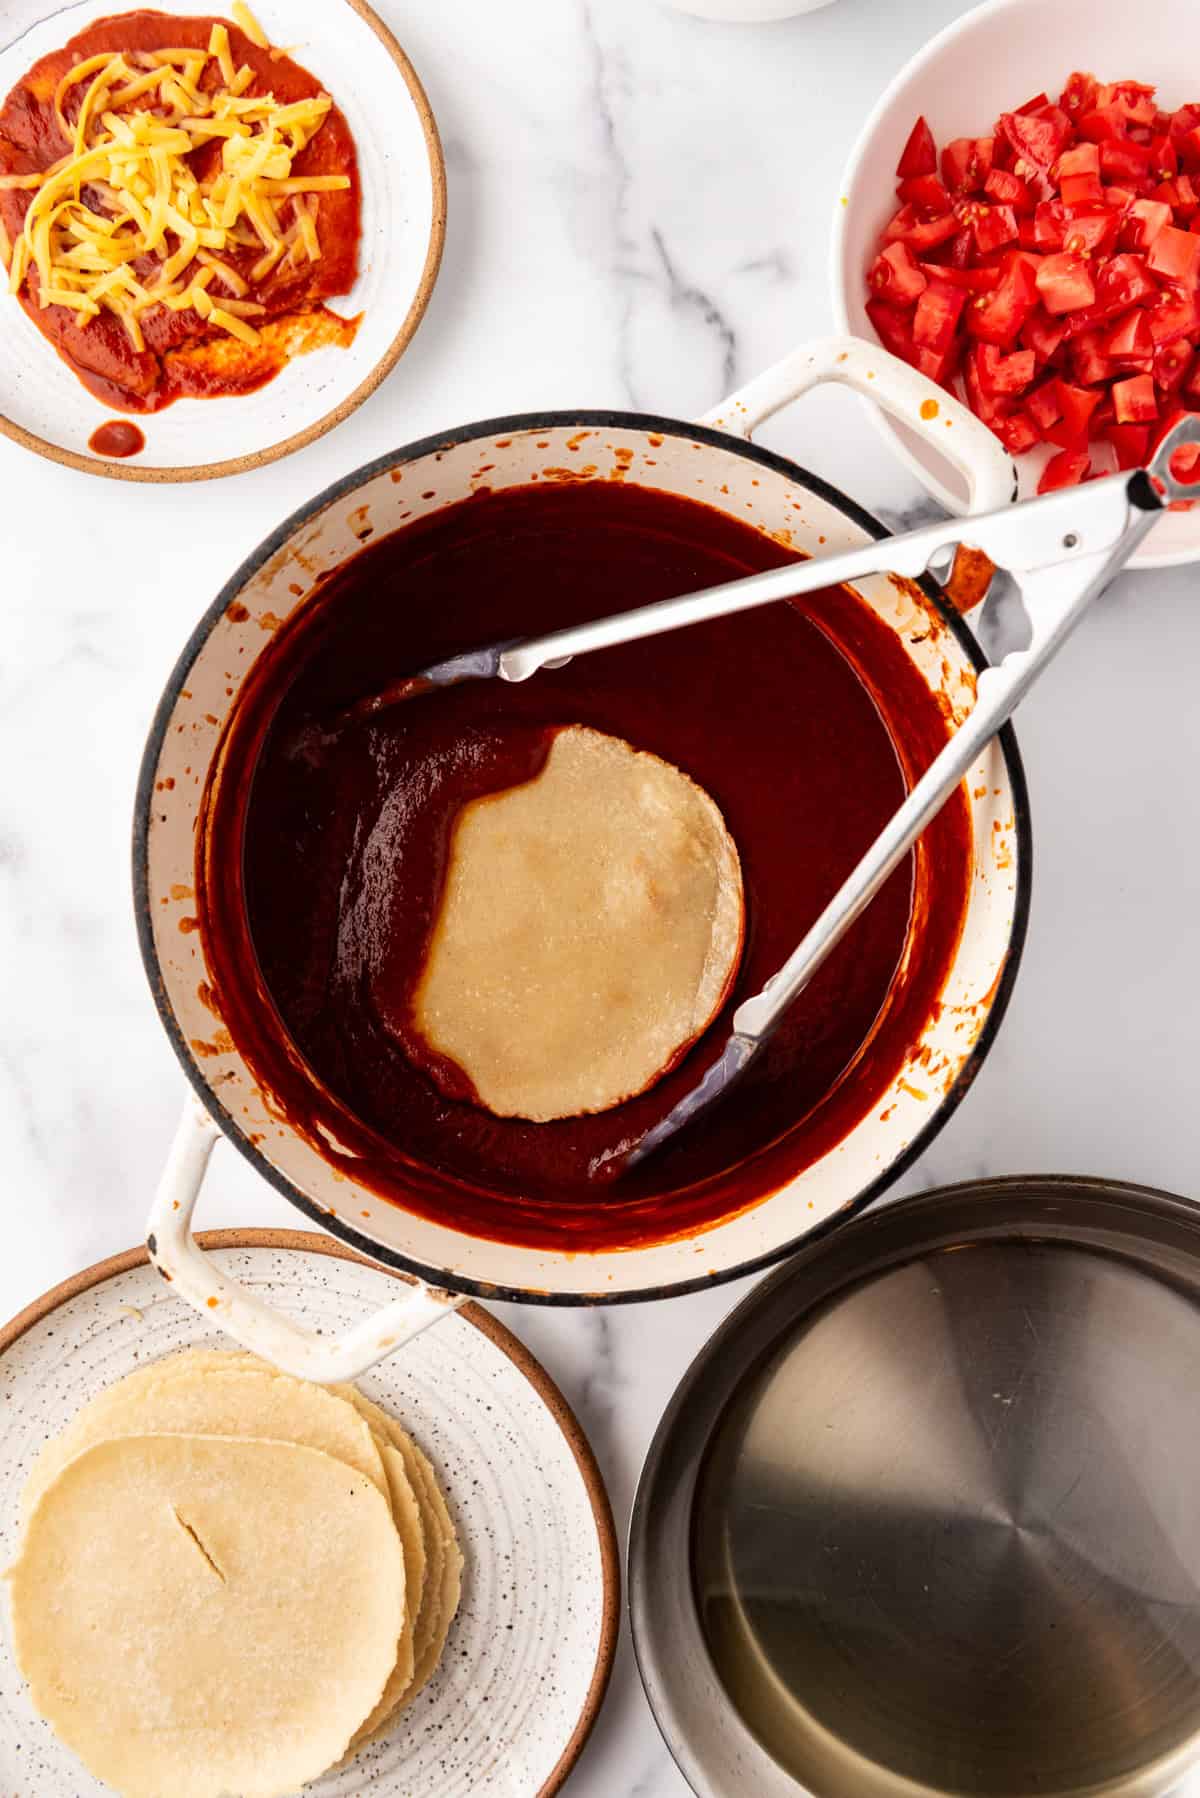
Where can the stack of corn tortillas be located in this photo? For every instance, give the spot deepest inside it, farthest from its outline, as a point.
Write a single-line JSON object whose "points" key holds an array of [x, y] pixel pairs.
{"points": [[229, 1579]]}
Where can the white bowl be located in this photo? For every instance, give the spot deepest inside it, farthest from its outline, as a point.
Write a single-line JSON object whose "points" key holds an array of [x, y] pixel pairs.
{"points": [[351, 51], [987, 62]]}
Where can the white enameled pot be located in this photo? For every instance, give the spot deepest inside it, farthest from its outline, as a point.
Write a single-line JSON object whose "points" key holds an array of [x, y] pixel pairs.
{"points": [[985, 63], [714, 462]]}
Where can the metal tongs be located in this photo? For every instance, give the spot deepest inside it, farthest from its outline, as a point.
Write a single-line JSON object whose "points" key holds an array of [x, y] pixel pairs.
{"points": [[1061, 551]]}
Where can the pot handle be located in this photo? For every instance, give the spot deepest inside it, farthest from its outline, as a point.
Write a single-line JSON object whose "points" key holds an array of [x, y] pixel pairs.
{"points": [[909, 396], [179, 1258]]}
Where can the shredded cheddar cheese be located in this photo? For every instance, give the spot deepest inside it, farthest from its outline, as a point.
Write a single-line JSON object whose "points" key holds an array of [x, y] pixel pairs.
{"points": [[123, 223], [245, 18]]}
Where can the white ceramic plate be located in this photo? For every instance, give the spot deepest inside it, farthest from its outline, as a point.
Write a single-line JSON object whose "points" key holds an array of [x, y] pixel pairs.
{"points": [[985, 63], [346, 47], [535, 1634]]}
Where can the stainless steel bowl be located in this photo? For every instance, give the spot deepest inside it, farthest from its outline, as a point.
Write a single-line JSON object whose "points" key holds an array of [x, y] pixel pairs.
{"points": [[924, 1516]]}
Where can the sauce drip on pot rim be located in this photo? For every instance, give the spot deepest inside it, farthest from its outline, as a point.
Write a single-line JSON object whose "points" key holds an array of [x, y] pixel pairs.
{"points": [[325, 831]]}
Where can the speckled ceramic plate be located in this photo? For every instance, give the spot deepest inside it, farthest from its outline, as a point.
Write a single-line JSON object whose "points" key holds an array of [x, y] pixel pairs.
{"points": [[530, 1651], [351, 51]]}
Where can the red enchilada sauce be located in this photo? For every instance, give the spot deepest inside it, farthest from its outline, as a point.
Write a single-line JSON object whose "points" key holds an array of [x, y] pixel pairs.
{"points": [[325, 831], [184, 355], [117, 438]]}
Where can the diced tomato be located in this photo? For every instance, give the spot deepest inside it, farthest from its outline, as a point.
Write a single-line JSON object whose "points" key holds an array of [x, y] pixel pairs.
{"points": [[1188, 148], [1089, 364], [926, 234], [1131, 442], [936, 316], [895, 276], [1079, 95], [1134, 400], [1018, 433], [1042, 334], [1065, 284], [1178, 193], [1164, 156], [991, 227], [900, 224], [1171, 364], [1186, 198], [1076, 406], [997, 317], [927, 194], [975, 280], [1015, 372], [967, 162], [1123, 282], [1105, 413], [1009, 190], [893, 328], [1038, 138], [1171, 316], [1050, 225], [1045, 405], [1064, 249], [1143, 222], [1124, 160], [1088, 318], [983, 403], [1102, 124], [1133, 99], [1066, 469], [1000, 374], [939, 365], [1183, 120], [1118, 200], [1081, 190], [1090, 233], [1129, 339], [1175, 255], [1082, 159], [919, 155]]}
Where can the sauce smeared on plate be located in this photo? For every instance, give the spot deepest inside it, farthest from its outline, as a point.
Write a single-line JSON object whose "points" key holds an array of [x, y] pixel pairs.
{"points": [[117, 439], [326, 825]]}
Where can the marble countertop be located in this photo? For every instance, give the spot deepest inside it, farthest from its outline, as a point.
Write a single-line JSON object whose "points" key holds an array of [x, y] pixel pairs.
{"points": [[638, 216]]}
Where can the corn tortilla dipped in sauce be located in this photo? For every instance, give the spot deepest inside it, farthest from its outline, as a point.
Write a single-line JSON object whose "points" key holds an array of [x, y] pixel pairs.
{"points": [[178, 202]]}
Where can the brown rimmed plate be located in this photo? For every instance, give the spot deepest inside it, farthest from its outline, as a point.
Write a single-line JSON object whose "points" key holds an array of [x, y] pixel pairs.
{"points": [[530, 1652], [344, 43]]}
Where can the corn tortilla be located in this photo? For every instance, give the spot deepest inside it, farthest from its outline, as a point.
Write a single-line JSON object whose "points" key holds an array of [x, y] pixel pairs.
{"points": [[201, 1615], [589, 930], [181, 1396]]}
